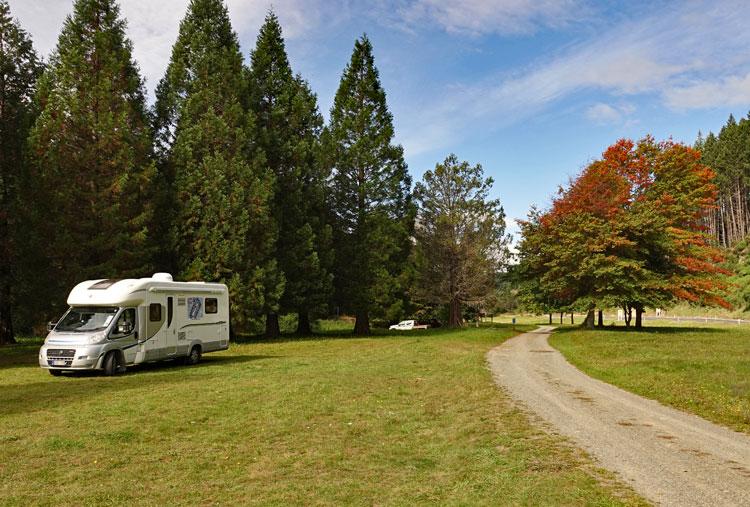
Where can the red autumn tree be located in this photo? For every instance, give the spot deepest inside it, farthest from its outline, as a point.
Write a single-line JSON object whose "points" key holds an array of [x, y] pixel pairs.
{"points": [[627, 232]]}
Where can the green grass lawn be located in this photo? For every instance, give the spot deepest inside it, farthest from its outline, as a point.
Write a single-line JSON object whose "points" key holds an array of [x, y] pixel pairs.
{"points": [[700, 369], [388, 420]]}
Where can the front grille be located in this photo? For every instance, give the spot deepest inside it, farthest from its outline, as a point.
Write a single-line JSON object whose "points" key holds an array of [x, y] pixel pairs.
{"points": [[61, 353]]}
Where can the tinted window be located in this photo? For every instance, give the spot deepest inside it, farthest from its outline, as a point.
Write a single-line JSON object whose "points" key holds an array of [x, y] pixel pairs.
{"points": [[154, 312], [212, 305], [170, 311], [104, 284]]}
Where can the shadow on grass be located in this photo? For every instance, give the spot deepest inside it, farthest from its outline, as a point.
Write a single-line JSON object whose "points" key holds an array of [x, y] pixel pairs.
{"points": [[72, 388], [646, 329], [347, 334]]}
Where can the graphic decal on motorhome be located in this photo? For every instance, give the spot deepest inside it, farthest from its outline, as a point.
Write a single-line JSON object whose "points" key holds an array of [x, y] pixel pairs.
{"points": [[195, 308]]}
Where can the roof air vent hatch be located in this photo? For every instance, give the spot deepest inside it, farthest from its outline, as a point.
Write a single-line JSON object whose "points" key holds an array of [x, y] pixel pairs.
{"points": [[162, 277]]}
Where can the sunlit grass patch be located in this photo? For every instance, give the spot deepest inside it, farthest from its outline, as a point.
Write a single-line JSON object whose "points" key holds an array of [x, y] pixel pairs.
{"points": [[701, 369], [389, 420]]}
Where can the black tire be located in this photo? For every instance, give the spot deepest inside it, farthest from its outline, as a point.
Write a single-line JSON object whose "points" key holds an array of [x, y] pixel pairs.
{"points": [[194, 357], [55, 373], [111, 364]]}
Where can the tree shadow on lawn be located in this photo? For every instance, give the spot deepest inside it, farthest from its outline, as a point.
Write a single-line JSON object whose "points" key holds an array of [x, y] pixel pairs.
{"points": [[73, 387], [347, 334], [646, 329]]}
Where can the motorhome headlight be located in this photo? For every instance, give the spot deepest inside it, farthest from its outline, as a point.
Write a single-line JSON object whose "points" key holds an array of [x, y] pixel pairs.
{"points": [[97, 337]]}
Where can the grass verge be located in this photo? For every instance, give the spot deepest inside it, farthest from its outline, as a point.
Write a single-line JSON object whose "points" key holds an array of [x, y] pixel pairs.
{"points": [[387, 420], [703, 370]]}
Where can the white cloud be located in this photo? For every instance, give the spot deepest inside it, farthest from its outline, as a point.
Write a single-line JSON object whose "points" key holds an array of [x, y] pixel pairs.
{"points": [[478, 17], [728, 91], [607, 114], [153, 25], [603, 113]]}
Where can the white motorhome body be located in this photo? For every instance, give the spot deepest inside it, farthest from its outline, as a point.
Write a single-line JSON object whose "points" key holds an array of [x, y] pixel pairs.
{"points": [[114, 323]]}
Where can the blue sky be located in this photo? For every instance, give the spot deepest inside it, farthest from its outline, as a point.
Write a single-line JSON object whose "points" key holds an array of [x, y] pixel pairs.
{"points": [[531, 89]]}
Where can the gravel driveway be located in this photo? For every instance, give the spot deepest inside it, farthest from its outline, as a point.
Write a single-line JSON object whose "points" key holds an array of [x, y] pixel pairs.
{"points": [[668, 456]]}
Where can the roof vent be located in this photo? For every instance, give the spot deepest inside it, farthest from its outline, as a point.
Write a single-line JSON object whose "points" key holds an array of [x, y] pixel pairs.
{"points": [[162, 277], [104, 284]]}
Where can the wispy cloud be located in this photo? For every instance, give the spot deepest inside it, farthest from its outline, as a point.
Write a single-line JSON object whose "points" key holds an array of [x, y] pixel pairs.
{"points": [[477, 17], [701, 43], [727, 91], [608, 114]]}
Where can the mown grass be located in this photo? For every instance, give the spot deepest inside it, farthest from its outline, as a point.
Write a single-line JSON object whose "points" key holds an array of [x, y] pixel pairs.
{"points": [[388, 420], [701, 369]]}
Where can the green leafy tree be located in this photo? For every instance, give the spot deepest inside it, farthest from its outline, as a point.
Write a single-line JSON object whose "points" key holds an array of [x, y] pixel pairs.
{"points": [[627, 232], [287, 131], [221, 225], [370, 198], [92, 168], [460, 237], [19, 69], [537, 293]]}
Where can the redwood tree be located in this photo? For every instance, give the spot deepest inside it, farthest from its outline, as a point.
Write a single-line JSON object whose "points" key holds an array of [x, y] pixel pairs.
{"points": [[287, 129], [19, 70], [92, 169], [370, 196], [215, 178]]}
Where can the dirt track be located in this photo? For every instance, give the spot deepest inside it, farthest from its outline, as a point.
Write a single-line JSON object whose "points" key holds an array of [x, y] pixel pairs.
{"points": [[669, 457]]}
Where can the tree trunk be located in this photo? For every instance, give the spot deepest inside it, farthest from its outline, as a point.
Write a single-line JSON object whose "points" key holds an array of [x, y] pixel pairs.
{"points": [[550, 318], [627, 313], [600, 322], [571, 319], [6, 322], [362, 324], [638, 315], [303, 324], [272, 326], [589, 321], [561, 318], [455, 319]]}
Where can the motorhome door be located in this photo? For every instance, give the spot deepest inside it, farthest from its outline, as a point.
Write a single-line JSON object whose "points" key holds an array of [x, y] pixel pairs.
{"points": [[154, 345]]}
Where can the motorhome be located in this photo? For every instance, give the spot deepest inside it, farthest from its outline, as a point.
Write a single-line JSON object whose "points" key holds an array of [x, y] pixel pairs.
{"points": [[112, 324]]}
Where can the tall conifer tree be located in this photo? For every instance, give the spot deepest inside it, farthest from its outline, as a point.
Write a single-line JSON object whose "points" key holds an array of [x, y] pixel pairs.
{"points": [[461, 240], [19, 70], [91, 144], [288, 127], [370, 195], [221, 226]]}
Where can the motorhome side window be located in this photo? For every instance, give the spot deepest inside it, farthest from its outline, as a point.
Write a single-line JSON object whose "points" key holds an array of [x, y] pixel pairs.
{"points": [[125, 324], [154, 312], [212, 305]]}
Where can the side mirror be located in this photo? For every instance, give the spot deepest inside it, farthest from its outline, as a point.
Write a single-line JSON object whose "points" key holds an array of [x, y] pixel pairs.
{"points": [[124, 328], [51, 325]]}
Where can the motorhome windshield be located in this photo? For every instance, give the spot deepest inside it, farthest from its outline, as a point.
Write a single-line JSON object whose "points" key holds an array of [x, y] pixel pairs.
{"points": [[88, 318]]}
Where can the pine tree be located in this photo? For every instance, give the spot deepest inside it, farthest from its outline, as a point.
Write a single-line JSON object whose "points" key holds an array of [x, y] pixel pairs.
{"points": [[91, 145], [460, 236], [370, 195], [19, 69], [728, 154], [221, 226], [288, 127]]}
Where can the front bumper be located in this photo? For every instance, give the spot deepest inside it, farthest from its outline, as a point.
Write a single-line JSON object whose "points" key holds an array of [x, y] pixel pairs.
{"points": [[70, 357]]}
